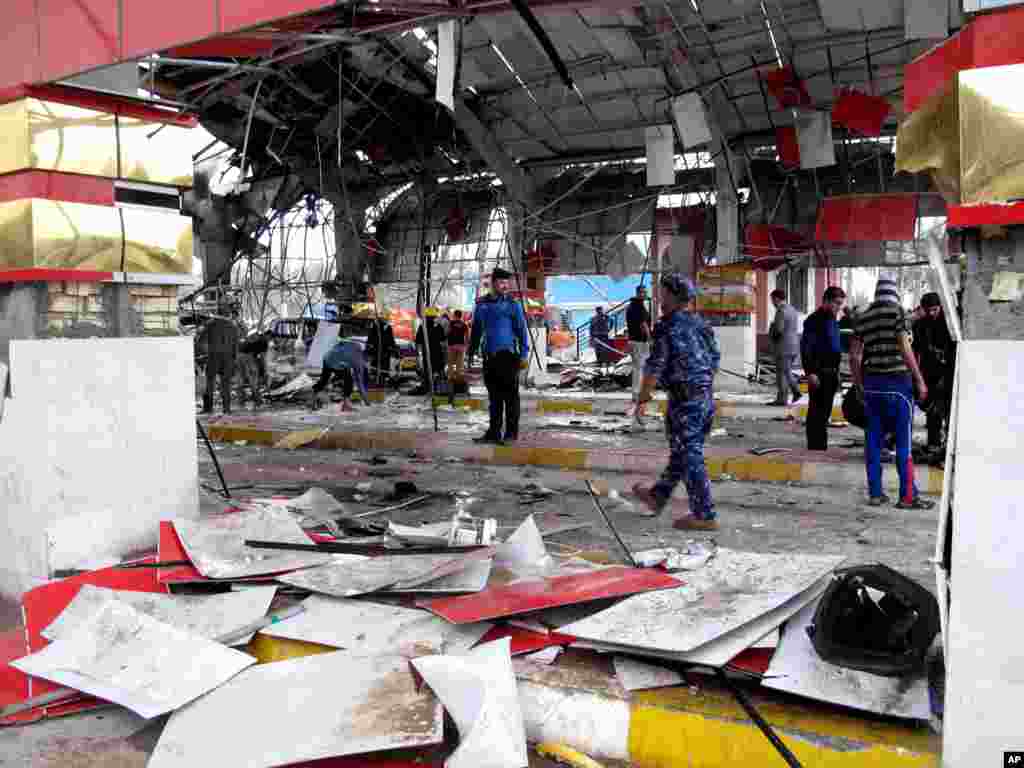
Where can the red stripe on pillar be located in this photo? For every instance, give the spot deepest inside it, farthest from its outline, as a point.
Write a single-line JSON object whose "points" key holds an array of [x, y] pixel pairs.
{"points": [[53, 276], [51, 185], [21, 43], [150, 26], [101, 102], [76, 36]]}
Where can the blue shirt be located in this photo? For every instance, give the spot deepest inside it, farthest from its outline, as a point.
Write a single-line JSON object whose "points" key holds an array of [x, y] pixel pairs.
{"points": [[684, 351], [500, 322], [820, 347], [349, 354]]}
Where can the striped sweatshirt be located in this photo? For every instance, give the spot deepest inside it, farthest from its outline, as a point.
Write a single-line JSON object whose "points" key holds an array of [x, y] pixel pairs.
{"points": [[879, 328]]}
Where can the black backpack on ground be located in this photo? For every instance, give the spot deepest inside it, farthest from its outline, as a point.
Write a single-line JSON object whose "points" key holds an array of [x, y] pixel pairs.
{"points": [[853, 408], [874, 619]]}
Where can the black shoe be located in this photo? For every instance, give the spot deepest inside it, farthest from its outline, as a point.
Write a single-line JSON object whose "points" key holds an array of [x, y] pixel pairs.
{"points": [[487, 437], [877, 501], [511, 437]]}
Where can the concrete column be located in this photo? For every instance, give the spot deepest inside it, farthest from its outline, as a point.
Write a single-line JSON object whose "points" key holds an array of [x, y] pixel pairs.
{"points": [[22, 306], [984, 319], [351, 255], [121, 318]]}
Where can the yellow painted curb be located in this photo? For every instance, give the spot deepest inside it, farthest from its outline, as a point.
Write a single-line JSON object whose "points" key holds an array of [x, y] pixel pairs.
{"points": [[676, 727], [224, 433], [565, 406], [473, 403]]}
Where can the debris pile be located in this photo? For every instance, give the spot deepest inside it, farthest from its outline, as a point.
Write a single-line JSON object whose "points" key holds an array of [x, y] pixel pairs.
{"points": [[290, 630]]}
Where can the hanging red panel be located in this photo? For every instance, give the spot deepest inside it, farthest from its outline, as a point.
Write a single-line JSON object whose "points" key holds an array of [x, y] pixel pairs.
{"points": [[149, 26], [860, 112], [226, 47], [76, 36], [787, 146], [768, 245], [867, 218], [788, 89], [238, 14], [52, 185]]}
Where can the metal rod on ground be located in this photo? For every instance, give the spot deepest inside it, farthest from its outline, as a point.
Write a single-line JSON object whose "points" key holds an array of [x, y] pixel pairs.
{"points": [[216, 463], [63, 694], [759, 721], [337, 547], [629, 555], [393, 508]]}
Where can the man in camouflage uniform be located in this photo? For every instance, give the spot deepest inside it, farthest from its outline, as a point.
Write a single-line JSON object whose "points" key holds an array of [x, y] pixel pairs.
{"points": [[683, 360]]}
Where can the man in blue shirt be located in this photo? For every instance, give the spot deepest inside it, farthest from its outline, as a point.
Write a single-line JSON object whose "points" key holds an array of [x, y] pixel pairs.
{"points": [[683, 360], [820, 353], [499, 323], [345, 361]]}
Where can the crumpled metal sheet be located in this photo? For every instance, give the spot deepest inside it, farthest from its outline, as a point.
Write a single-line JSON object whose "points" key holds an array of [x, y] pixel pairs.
{"points": [[209, 616], [733, 589], [216, 545], [991, 106], [362, 627], [315, 707], [126, 657], [929, 140]]}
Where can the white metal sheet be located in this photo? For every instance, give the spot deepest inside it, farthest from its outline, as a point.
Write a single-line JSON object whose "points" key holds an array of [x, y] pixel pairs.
{"points": [[691, 120], [472, 578], [722, 650], [976, 6], [445, 84], [990, 420], [926, 19], [369, 628], [733, 589], [216, 545], [358, 577], [814, 135], [97, 445], [209, 616], [126, 657], [660, 167], [796, 668], [321, 706], [479, 691], [637, 675]]}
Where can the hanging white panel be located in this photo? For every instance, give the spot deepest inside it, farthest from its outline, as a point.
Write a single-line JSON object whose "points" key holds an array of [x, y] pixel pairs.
{"points": [[691, 120], [660, 170], [814, 135], [445, 92], [926, 19]]}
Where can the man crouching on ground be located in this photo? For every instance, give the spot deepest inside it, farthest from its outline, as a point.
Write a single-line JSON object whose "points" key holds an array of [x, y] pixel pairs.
{"points": [[683, 360]]}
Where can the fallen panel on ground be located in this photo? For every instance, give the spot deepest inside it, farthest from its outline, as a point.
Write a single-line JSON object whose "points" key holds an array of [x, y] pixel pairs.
{"points": [[479, 691], [216, 545], [525, 640], [364, 575], [127, 658], [733, 589], [797, 668], [362, 627], [322, 706], [535, 595], [209, 616], [637, 675]]}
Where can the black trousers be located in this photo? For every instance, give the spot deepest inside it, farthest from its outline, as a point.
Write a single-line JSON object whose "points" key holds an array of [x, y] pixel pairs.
{"points": [[501, 377], [819, 412], [219, 367], [342, 374], [940, 402]]}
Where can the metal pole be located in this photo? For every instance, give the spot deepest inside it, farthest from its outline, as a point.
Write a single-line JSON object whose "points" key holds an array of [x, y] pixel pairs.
{"points": [[216, 463], [629, 555]]}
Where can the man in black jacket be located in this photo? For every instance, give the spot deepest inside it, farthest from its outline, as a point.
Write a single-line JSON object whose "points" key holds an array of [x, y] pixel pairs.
{"points": [[936, 354], [820, 354], [638, 326]]}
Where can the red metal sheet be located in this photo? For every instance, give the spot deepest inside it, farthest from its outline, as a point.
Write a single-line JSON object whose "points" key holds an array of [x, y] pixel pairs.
{"points": [[226, 47], [13, 682], [52, 185], [21, 43], [788, 146], [753, 660], [44, 603], [867, 218], [788, 89], [927, 75], [524, 640], [76, 36], [53, 276], [148, 26], [239, 14], [101, 102], [978, 215], [526, 596], [860, 112]]}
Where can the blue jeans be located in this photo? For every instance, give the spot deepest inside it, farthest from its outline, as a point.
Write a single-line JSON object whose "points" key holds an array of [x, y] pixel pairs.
{"points": [[687, 424], [889, 408]]}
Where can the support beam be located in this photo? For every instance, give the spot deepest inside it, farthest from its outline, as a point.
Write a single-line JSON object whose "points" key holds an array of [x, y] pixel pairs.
{"points": [[516, 180]]}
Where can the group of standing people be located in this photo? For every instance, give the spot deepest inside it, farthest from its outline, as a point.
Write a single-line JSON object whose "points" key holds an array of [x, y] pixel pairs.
{"points": [[444, 339], [894, 362], [220, 344]]}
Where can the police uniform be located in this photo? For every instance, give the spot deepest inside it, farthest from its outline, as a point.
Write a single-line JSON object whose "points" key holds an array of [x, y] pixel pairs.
{"points": [[684, 358]]}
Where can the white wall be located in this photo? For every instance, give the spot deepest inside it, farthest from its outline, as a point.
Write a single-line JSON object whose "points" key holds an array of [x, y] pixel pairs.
{"points": [[97, 445]]}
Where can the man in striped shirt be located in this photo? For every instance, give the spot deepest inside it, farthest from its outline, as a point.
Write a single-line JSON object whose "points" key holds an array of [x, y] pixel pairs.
{"points": [[883, 365]]}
